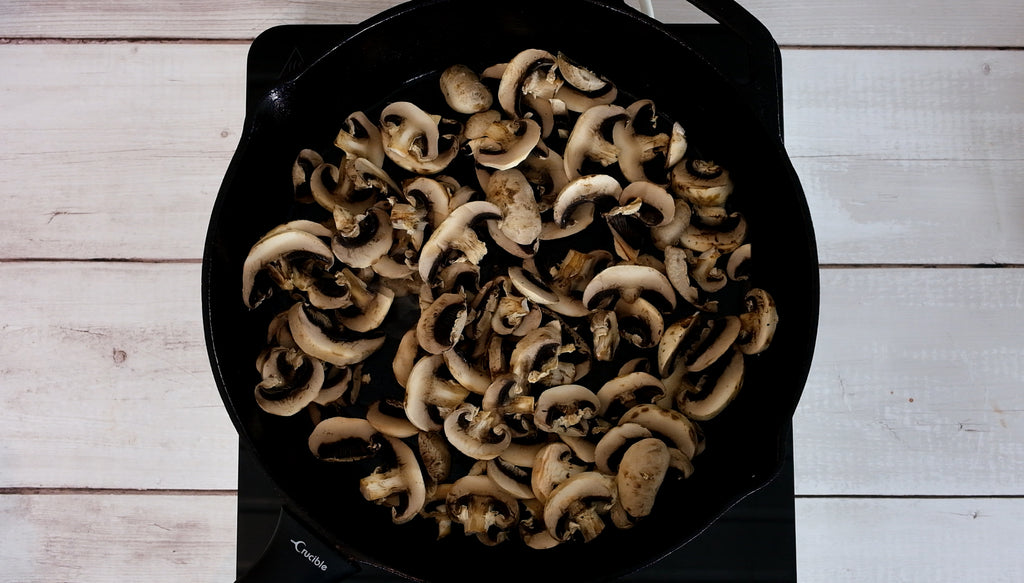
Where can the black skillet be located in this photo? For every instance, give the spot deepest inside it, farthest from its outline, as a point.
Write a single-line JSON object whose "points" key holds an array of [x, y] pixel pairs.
{"points": [[398, 54]]}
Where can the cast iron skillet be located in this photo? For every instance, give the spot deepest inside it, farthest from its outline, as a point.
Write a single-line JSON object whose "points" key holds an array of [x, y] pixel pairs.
{"points": [[400, 53]]}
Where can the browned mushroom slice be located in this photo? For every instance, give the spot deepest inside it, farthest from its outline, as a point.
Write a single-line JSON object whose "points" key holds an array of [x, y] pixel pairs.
{"points": [[397, 483], [345, 439], [613, 445], [554, 463], [291, 380], [321, 337], [589, 144], [566, 409], [482, 508], [604, 328], [455, 238], [272, 249], [416, 141], [725, 237], [715, 389], [757, 323], [440, 324], [627, 283], [575, 509], [641, 474], [478, 433], [463, 90], [511, 478], [625, 392], [697, 340]]}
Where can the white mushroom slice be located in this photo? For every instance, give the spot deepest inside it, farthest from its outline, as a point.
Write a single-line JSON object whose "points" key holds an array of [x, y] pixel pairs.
{"points": [[627, 391], [677, 268], [639, 323], [738, 266], [429, 194], [332, 345], [478, 123], [641, 474], [511, 478], [665, 424], [587, 142], [545, 169], [515, 75], [758, 323], [677, 145], [275, 248], [536, 355], [329, 186], [505, 143], [406, 355], [713, 394], [436, 507], [360, 138], [400, 486], [291, 380], [512, 193], [575, 509], [455, 235], [440, 325], [368, 181], [466, 373], [522, 454], [511, 247], [371, 315], [509, 399], [582, 88], [657, 206], [532, 529], [706, 273], [726, 237], [463, 90], [435, 455], [340, 386], [429, 399], [482, 508], [530, 285], [583, 191], [566, 409], [628, 283], [413, 139], [701, 182], [671, 233], [344, 439], [367, 238], [302, 169], [610, 449], [388, 417], [604, 329], [640, 141], [516, 316], [478, 433], [554, 463]]}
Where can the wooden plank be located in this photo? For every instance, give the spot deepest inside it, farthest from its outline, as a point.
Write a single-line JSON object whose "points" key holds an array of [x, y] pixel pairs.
{"points": [[888, 145], [916, 385], [104, 537], [157, 538], [833, 22], [105, 380], [918, 369], [926, 540], [128, 142]]}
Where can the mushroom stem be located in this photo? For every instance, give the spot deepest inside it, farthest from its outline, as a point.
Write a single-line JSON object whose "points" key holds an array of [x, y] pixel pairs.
{"points": [[585, 520], [381, 484]]}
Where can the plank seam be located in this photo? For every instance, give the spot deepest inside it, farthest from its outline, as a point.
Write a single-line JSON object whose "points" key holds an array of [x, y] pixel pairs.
{"points": [[38, 491]]}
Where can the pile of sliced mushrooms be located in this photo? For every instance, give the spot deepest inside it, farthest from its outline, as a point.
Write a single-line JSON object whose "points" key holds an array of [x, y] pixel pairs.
{"points": [[583, 295]]}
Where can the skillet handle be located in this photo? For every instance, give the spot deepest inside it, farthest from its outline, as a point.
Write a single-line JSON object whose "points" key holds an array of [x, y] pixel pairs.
{"points": [[296, 555]]}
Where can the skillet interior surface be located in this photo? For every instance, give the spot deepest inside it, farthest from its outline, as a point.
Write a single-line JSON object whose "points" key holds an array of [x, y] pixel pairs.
{"points": [[399, 55]]}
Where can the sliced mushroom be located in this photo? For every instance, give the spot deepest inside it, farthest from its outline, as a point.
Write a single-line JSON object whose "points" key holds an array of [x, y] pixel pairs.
{"points": [[698, 340], [532, 529], [627, 391], [672, 426], [455, 237], [511, 192], [274, 248], [583, 88], [482, 508], [511, 478], [345, 439], [463, 90], [738, 266], [388, 417], [363, 239], [291, 380], [326, 341], [399, 484], [435, 455], [671, 233], [702, 182], [757, 323], [641, 474], [656, 205], [554, 463], [341, 385], [725, 237], [522, 76], [440, 324], [589, 141], [706, 273], [360, 138], [406, 355], [415, 141], [575, 509], [429, 194], [613, 445], [535, 357], [476, 432], [642, 140], [302, 169], [627, 283], [468, 374], [436, 507], [677, 268], [639, 322], [604, 328], [566, 409], [575, 201], [429, 398], [505, 144], [713, 392]]}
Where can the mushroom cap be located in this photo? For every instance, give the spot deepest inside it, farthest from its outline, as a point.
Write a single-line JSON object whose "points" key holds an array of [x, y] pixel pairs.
{"points": [[463, 90], [641, 474], [758, 323], [344, 439], [622, 393], [629, 282], [667, 424], [610, 449]]}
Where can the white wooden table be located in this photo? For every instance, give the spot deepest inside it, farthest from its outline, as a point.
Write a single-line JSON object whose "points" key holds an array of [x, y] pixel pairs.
{"points": [[118, 119]]}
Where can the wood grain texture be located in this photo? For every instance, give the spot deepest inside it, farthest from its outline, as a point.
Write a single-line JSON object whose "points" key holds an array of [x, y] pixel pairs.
{"points": [[906, 156], [833, 22], [926, 541], [105, 380], [99, 538], [916, 385]]}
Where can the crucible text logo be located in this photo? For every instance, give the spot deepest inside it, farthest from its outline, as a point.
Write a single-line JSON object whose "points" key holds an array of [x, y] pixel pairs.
{"points": [[300, 547]]}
